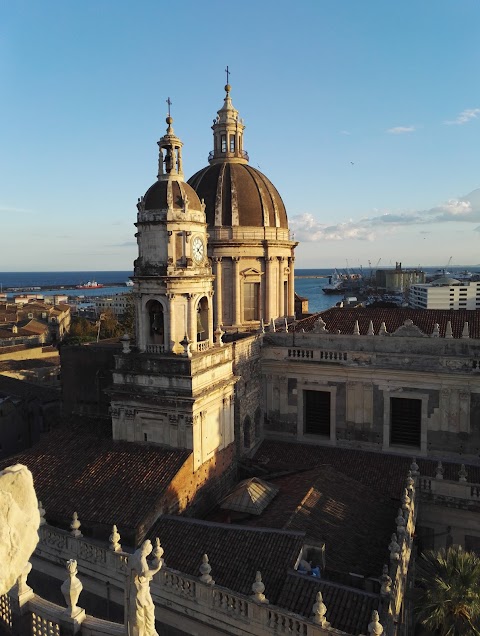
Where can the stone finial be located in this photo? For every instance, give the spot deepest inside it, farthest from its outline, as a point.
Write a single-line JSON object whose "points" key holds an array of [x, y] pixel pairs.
{"points": [[205, 570], [401, 523], [371, 331], [319, 611], [410, 481], [394, 548], [272, 326], [262, 326], [286, 326], [383, 330], [258, 589], [41, 511], [356, 329], [439, 471], [436, 331], [462, 473], [75, 526], [414, 468], [448, 330], [114, 539], [374, 627], [157, 554], [219, 333], [465, 330], [125, 340], [386, 582], [186, 344], [71, 589], [406, 501]]}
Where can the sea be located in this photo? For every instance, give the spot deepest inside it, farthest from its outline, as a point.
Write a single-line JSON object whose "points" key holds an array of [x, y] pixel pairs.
{"points": [[308, 283]]}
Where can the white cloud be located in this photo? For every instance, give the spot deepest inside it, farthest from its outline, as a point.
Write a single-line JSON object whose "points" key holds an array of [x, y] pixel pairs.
{"points": [[400, 130], [464, 209], [14, 210], [345, 132], [464, 117]]}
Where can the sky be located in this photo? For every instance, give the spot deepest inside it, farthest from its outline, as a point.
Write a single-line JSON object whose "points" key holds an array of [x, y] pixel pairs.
{"points": [[364, 114]]}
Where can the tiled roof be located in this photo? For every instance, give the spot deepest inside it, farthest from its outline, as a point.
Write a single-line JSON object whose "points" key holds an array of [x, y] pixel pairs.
{"points": [[234, 552], [343, 320], [78, 467], [23, 389], [251, 496], [385, 473], [353, 520], [33, 363], [348, 609]]}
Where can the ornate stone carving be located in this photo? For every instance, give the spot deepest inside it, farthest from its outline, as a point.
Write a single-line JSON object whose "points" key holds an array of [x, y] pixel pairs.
{"points": [[414, 468], [386, 582], [139, 604], [115, 412], [129, 414], [41, 512], [115, 540], [320, 326], [409, 330], [439, 471], [374, 627], [401, 523], [462, 473], [394, 548]]}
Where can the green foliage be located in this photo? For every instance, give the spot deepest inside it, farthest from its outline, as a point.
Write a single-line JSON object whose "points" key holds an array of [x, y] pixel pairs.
{"points": [[128, 319], [449, 599]]}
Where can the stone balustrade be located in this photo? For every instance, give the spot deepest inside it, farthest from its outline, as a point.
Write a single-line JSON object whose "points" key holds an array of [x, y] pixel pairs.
{"points": [[174, 594], [444, 488], [155, 348]]}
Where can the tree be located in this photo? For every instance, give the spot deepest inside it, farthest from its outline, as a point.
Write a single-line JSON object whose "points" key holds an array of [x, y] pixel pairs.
{"points": [[449, 599]]}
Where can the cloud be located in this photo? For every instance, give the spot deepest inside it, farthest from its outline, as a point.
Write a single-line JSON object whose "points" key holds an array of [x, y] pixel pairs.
{"points": [[345, 132], [14, 210], [400, 130], [464, 209], [464, 117]]}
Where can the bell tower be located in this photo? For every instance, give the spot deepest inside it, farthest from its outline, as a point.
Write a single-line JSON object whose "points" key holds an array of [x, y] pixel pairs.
{"points": [[172, 275], [175, 386]]}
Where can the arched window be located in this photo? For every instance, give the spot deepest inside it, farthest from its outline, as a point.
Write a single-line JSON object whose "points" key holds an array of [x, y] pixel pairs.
{"points": [[202, 320], [156, 325]]}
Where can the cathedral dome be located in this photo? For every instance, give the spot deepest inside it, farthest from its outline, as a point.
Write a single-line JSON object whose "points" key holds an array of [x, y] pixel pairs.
{"points": [[237, 194], [157, 197]]}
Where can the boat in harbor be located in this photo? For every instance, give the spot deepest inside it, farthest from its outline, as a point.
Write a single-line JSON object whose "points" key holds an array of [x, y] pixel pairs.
{"points": [[91, 284], [340, 283], [129, 283]]}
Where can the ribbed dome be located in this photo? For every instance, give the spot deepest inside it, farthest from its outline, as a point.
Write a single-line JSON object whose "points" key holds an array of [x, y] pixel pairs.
{"points": [[156, 197], [237, 194]]}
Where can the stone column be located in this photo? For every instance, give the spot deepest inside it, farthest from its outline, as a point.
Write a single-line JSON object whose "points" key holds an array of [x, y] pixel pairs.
{"points": [[237, 292], [171, 320], [281, 311], [218, 291], [268, 290], [291, 287], [191, 321]]}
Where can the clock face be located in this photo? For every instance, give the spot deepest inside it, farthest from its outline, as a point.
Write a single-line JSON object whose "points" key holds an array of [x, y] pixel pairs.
{"points": [[198, 250]]}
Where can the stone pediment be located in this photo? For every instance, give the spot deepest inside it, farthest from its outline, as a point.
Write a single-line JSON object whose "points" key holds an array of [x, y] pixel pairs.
{"points": [[409, 330], [250, 272]]}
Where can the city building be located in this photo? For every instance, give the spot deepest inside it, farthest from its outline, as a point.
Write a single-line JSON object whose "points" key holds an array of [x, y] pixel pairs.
{"points": [[117, 304], [445, 293], [398, 280]]}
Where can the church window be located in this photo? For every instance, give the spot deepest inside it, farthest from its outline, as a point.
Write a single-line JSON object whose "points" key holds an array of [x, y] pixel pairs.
{"points": [[232, 143], [251, 301], [317, 413], [224, 143], [405, 421]]}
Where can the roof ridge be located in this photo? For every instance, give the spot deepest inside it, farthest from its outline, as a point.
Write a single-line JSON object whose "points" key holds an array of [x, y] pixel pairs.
{"points": [[235, 526]]}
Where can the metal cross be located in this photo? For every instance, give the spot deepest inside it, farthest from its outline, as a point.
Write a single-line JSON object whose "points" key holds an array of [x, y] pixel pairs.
{"points": [[227, 72], [169, 102]]}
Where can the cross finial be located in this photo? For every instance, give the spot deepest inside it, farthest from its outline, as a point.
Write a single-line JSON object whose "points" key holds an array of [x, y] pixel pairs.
{"points": [[169, 102], [228, 74]]}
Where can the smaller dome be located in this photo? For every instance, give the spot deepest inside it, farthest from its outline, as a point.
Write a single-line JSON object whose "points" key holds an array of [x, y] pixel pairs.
{"points": [[156, 197]]}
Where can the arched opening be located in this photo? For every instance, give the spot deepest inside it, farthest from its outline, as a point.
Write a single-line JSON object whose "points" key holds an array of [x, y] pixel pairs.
{"points": [[258, 420], [247, 432], [156, 323], [202, 320]]}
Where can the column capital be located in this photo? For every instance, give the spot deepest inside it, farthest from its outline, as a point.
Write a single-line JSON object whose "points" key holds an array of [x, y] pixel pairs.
{"points": [[236, 259], [217, 259]]}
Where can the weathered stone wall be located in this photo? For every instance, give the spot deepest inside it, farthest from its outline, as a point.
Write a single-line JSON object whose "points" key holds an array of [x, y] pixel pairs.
{"points": [[249, 409]]}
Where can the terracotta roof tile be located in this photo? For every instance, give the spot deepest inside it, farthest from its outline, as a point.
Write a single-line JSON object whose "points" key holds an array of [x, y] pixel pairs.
{"points": [[23, 389], [348, 609], [353, 520], [78, 467], [343, 320], [234, 552]]}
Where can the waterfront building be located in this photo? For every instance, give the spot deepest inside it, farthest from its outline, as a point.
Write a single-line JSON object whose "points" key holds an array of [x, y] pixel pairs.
{"points": [[445, 293]]}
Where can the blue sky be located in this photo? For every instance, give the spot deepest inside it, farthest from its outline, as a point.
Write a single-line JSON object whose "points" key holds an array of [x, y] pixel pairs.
{"points": [[365, 115]]}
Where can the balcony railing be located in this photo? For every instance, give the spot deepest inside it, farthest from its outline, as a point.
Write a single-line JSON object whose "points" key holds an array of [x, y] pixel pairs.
{"points": [[228, 154]]}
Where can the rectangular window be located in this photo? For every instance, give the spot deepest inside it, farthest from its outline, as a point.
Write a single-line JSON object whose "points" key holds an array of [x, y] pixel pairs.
{"points": [[232, 143], [405, 421], [317, 413], [224, 143], [251, 293]]}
